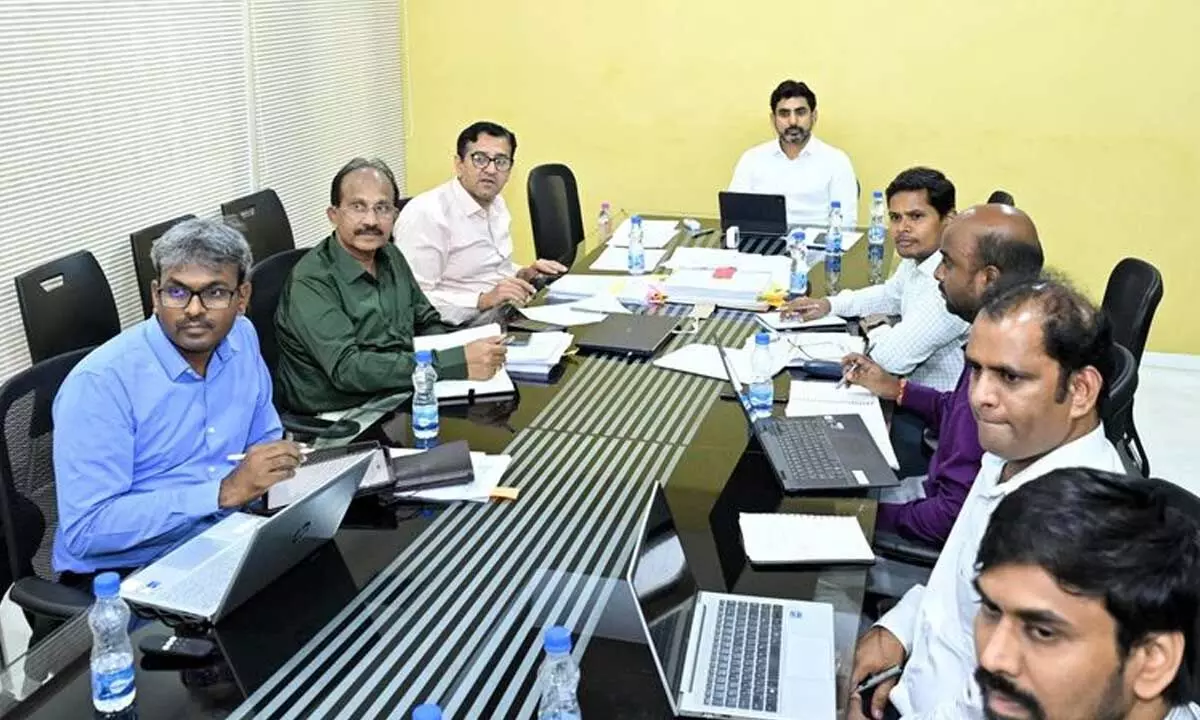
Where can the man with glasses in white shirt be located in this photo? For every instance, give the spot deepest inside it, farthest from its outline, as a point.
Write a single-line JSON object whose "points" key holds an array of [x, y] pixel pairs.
{"points": [[1038, 355], [457, 237]]}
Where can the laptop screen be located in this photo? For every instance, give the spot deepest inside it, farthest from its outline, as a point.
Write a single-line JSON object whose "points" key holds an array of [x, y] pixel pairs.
{"points": [[665, 590]]}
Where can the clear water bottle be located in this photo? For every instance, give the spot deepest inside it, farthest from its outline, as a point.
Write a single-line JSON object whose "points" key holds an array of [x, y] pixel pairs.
{"points": [[113, 689], [762, 382], [798, 278], [604, 222], [558, 677], [428, 711], [876, 235], [424, 401], [833, 250], [637, 249]]}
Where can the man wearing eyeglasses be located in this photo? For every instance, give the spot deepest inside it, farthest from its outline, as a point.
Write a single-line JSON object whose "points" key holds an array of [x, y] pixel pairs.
{"points": [[145, 425], [457, 236]]}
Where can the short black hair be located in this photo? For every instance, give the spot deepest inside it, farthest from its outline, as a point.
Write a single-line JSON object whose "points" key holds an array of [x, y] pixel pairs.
{"points": [[936, 185], [1120, 539], [360, 163], [1016, 260], [792, 89], [484, 127], [1075, 334]]}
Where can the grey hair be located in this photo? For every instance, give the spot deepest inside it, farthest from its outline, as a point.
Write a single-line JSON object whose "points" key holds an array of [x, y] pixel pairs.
{"points": [[207, 243]]}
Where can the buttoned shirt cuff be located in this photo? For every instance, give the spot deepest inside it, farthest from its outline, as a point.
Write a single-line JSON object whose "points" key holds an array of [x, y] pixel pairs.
{"points": [[202, 499], [901, 620]]}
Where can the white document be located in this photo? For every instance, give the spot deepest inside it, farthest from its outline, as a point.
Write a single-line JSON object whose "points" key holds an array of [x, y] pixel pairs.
{"points": [[488, 470], [563, 315], [655, 233], [499, 384], [701, 359], [456, 339], [700, 286], [629, 288], [808, 398], [700, 258], [616, 259], [606, 304], [776, 538], [544, 351], [775, 321]]}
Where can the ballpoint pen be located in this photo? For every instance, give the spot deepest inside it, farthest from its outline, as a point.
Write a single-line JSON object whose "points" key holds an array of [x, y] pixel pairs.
{"points": [[878, 678], [853, 368]]}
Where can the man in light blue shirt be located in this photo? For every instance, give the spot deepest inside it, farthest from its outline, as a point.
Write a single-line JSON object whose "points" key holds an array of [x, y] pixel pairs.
{"points": [[144, 425]]}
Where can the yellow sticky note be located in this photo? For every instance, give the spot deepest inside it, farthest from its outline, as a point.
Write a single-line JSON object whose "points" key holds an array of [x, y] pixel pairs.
{"points": [[504, 493]]}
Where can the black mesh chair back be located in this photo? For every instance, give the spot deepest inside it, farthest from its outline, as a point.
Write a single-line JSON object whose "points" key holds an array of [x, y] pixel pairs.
{"points": [[400, 205], [26, 457], [66, 304], [554, 212], [262, 220], [1000, 197], [267, 279], [1117, 411], [1131, 298], [140, 243]]}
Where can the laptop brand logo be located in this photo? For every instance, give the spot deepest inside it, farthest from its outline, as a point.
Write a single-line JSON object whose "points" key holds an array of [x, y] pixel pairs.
{"points": [[795, 614], [301, 532]]}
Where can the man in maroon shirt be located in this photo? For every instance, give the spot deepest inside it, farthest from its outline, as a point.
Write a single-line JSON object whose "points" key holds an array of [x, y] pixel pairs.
{"points": [[983, 249]]}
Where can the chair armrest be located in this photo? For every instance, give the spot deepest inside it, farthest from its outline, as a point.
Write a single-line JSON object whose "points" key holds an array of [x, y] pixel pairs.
{"points": [[49, 599], [895, 547]]}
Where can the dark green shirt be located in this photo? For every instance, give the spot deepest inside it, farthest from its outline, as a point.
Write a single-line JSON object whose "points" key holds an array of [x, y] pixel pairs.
{"points": [[346, 336]]}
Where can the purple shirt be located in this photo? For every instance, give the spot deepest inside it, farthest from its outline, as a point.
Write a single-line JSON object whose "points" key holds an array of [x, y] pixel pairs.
{"points": [[952, 469]]}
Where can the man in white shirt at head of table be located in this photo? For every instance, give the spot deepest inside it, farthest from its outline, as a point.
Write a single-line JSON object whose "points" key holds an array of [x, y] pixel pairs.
{"points": [[807, 172], [457, 237]]}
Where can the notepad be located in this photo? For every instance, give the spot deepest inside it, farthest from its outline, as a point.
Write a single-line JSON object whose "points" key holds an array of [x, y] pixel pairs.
{"points": [[775, 321], [785, 538]]}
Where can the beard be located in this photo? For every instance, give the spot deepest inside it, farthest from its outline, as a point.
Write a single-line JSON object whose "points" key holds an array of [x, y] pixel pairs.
{"points": [[796, 135], [1111, 705]]}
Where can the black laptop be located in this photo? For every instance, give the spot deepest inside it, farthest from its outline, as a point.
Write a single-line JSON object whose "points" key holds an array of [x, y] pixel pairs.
{"points": [[756, 216], [828, 452], [637, 335]]}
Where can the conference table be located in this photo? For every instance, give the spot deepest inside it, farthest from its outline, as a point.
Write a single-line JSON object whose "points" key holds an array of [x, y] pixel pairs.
{"points": [[419, 603]]}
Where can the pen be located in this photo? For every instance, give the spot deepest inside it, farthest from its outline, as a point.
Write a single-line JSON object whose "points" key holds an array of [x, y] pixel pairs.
{"points": [[238, 457], [702, 233], [852, 369], [874, 680]]}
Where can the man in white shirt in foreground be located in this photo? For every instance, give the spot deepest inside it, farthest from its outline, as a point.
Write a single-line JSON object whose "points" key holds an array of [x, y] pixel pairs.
{"points": [[457, 237], [1089, 584], [1039, 360], [807, 172]]}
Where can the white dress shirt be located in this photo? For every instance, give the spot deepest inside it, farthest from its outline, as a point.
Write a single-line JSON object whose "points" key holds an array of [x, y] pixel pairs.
{"points": [[819, 175], [935, 622], [926, 345], [457, 249]]}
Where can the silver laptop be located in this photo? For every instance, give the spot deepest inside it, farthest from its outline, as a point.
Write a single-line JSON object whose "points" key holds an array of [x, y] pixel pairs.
{"points": [[722, 655], [208, 576]]}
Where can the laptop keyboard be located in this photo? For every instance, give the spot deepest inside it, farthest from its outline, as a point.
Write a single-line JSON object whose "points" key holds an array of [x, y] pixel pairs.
{"points": [[204, 586], [809, 450], [743, 669]]}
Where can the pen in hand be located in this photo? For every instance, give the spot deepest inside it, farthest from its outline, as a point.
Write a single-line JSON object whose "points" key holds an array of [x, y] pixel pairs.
{"points": [[875, 680], [238, 457], [854, 366]]}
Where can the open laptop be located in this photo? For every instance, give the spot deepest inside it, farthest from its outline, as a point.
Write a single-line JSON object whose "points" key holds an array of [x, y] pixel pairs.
{"points": [[756, 216], [829, 452], [638, 335], [723, 655], [211, 574]]}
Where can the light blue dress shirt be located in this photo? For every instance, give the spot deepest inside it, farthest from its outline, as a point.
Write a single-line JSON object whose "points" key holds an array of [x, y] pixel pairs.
{"points": [[141, 444]]}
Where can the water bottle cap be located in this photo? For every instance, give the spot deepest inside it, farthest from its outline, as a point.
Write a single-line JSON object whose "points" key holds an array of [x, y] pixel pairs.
{"points": [[425, 356], [835, 204], [605, 205], [798, 234], [877, 194], [762, 338], [106, 585], [636, 219], [557, 640], [428, 711]]}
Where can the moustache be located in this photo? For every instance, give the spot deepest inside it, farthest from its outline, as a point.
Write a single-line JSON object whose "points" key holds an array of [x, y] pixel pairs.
{"points": [[203, 325], [369, 230], [992, 683]]}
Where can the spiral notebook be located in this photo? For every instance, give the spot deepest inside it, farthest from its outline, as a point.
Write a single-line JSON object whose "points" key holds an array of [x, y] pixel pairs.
{"points": [[786, 538]]}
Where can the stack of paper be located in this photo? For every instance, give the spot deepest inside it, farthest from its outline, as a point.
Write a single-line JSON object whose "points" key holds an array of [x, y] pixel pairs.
{"points": [[693, 258], [774, 321], [488, 469], [708, 286], [701, 359], [781, 538], [580, 312], [539, 357], [808, 398], [576, 286], [499, 384], [616, 259], [655, 233]]}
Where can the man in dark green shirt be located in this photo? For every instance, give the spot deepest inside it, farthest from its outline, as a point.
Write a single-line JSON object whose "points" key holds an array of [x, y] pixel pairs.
{"points": [[349, 311]]}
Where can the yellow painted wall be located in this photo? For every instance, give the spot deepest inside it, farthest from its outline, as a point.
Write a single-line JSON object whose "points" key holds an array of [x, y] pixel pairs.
{"points": [[1088, 111]]}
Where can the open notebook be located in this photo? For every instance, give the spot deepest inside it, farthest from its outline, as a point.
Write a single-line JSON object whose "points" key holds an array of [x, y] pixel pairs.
{"points": [[807, 398], [779, 538], [499, 384]]}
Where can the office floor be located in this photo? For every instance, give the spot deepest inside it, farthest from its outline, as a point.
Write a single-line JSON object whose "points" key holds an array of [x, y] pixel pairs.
{"points": [[1167, 414]]}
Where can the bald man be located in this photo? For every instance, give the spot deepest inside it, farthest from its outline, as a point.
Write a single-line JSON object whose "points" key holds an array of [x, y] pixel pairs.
{"points": [[985, 248]]}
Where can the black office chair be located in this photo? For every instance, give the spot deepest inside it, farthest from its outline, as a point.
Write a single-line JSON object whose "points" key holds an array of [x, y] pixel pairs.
{"points": [[1134, 290], [140, 243], [267, 279], [66, 304], [1001, 197], [554, 213], [27, 477], [401, 203], [1117, 412], [262, 220]]}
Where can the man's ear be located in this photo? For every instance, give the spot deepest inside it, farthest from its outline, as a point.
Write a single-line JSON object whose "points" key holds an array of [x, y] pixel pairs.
{"points": [[1085, 386], [244, 291], [331, 213], [1154, 663], [154, 295]]}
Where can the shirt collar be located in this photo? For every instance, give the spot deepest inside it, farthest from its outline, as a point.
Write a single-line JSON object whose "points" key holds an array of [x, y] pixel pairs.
{"points": [[809, 147], [1079, 452], [344, 264], [466, 204], [929, 265], [172, 360]]}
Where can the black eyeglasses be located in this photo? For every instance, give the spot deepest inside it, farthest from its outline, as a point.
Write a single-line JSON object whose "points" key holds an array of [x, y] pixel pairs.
{"points": [[178, 297], [481, 159]]}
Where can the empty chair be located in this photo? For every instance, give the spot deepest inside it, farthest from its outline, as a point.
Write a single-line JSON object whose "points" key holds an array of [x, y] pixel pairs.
{"points": [[262, 220], [1000, 197], [554, 212], [140, 243], [66, 304]]}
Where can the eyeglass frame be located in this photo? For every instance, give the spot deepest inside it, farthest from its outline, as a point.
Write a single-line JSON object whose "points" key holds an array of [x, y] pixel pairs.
{"points": [[382, 209], [160, 290], [475, 158]]}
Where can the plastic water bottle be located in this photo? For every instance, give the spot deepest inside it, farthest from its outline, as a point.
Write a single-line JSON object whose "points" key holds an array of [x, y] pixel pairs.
{"points": [[637, 250], [833, 249], [876, 235], [798, 278], [762, 383], [428, 711], [558, 677], [424, 402], [113, 689], [604, 222]]}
